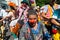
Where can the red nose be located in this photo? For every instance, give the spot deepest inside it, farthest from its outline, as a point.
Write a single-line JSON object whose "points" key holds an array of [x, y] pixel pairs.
{"points": [[32, 21]]}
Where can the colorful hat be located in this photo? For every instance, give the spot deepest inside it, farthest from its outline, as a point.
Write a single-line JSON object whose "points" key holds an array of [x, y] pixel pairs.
{"points": [[11, 4]]}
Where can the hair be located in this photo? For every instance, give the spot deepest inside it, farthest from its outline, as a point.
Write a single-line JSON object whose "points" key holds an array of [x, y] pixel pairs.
{"points": [[24, 2], [12, 7], [31, 12]]}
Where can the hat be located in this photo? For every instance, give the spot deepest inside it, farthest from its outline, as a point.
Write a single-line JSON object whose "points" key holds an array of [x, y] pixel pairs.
{"points": [[11, 4]]}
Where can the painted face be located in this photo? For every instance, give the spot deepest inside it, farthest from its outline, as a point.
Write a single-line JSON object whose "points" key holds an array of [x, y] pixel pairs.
{"points": [[32, 20]]}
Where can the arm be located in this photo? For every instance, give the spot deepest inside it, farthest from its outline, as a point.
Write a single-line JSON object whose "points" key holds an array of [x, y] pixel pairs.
{"points": [[3, 18], [20, 13], [44, 16], [6, 17], [55, 22]]}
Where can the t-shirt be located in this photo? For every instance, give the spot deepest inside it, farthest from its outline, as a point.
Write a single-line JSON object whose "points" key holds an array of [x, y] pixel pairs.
{"points": [[45, 9], [26, 33], [3, 13]]}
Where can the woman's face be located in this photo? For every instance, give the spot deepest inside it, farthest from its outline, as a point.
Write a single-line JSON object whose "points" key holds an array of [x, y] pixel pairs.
{"points": [[32, 19]]}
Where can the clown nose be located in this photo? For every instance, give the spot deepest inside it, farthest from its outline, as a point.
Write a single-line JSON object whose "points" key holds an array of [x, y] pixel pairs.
{"points": [[32, 21]]}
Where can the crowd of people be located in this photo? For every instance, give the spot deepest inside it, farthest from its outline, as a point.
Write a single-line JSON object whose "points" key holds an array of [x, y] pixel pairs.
{"points": [[28, 23]]}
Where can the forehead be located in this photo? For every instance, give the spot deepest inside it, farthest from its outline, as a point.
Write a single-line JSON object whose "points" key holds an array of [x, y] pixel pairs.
{"points": [[32, 16]]}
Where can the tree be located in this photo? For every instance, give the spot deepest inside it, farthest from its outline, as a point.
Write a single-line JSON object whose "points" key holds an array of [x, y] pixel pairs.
{"points": [[43, 2]]}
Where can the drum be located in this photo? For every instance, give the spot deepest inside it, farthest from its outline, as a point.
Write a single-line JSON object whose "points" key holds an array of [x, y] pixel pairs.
{"points": [[56, 14]]}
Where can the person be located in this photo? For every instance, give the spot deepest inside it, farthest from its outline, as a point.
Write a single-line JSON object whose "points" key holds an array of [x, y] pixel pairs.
{"points": [[33, 29], [3, 12], [37, 8], [12, 13], [22, 10], [48, 11], [48, 14]]}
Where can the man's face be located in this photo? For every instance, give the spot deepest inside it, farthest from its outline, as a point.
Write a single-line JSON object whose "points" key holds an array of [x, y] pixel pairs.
{"points": [[32, 19]]}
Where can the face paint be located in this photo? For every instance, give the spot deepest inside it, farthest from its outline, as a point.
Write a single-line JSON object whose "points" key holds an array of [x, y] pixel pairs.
{"points": [[32, 21]]}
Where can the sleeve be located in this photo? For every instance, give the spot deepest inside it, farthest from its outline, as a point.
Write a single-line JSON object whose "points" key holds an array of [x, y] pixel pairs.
{"points": [[44, 9]]}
